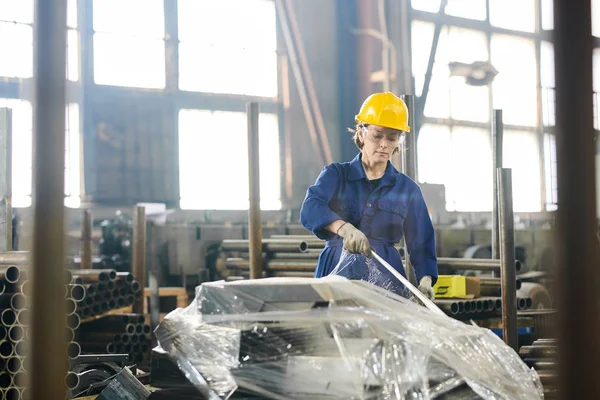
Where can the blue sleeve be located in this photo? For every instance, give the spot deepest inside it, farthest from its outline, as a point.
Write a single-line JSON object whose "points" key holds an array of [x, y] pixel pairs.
{"points": [[420, 238], [315, 213]]}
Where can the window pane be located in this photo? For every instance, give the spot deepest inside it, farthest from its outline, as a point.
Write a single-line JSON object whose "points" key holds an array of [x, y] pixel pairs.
{"points": [[22, 120], [596, 66], [518, 15], [469, 185], [221, 70], [128, 61], [72, 55], [142, 18], [229, 25], [72, 13], [72, 153], [16, 11], [550, 170], [514, 88], [422, 37], [434, 153], [520, 153], [547, 81], [596, 18], [452, 97], [196, 132], [547, 15], [472, 9], [16, 47], [426, 5]]}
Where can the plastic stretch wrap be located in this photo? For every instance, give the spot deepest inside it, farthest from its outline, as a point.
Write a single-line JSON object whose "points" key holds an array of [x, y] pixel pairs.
{"points": [[360, 268], [331, 338]]}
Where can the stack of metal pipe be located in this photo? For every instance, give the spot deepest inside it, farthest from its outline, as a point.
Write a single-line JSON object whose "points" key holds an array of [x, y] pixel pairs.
{"points": [[283, 255], [542, 356], [98, 291], [14, 328], [479, 308], [116, 334]]}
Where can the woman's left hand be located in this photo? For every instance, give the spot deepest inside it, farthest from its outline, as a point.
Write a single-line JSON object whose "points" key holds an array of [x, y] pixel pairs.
{"points": [[425, 287]]}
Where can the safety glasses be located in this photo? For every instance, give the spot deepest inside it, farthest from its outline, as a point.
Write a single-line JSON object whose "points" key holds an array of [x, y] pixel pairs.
{"points": [[393, 139]]}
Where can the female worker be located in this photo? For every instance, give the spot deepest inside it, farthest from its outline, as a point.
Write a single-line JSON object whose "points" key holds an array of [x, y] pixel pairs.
{"points": [[366, 203]]}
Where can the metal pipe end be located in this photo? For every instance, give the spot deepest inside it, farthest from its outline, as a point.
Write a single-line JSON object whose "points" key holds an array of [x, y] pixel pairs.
{"points": [[71, 380]]}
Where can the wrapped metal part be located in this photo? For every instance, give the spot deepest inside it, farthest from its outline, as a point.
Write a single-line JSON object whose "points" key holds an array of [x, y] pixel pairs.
{"points": [[333, 338]]}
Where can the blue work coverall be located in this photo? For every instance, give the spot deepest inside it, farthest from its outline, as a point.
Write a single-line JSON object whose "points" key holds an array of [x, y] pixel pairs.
{"points": [[393, 209]]}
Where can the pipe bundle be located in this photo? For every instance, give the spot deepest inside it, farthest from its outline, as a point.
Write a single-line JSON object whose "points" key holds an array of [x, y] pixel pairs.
{"points": [[480, 308], [14, 328], [542, 356], [98, 291]]}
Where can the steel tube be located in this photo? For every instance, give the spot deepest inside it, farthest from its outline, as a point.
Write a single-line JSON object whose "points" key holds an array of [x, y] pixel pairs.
{"points": [[254, 211], [86, 240], [576, 242], [95, 275], [14, 258], [309, 255], [71, 380], [11, 274], [7, 349], [16, 333], [497, 140], [8, 317], [48, 322], [139, 253], [508, 273], [410, 169], [77, 292]]}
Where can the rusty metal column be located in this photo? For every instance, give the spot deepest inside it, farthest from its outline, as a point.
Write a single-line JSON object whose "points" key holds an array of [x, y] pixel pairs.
{"points": [[254, 214], [138, 261], [409, 164], [6, 179], [508, 272], [575, 235], [497, 140], [48, 356], [86, 240]]}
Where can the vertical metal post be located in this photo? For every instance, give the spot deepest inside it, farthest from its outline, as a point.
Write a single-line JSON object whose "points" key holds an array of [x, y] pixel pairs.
{"points": [[139, 255], [576, 224], [254, 214], [5, 179], [497, 140], [86, 240], [409, 167], [508, 272], [48, 356], [154, 276]]}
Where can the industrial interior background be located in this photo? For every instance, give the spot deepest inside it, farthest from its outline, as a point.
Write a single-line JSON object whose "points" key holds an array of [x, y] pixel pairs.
{"points": [[141, 126], [157, 92]]}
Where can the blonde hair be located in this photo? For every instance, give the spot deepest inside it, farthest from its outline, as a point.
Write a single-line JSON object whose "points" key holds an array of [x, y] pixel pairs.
{"points": [[357, 134]]}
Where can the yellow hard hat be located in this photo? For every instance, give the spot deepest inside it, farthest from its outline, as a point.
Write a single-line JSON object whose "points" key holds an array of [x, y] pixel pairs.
{"points": [[384, 109]]}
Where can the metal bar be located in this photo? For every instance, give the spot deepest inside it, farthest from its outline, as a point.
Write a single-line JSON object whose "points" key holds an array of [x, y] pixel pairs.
{"points": [[6, 179], [576, 242], [508, 273], [139, 254], [254, 214], [291, 50], [410, 169], [153, 281], [497, 140], [14, 258], [48, 363], [86, 240]]}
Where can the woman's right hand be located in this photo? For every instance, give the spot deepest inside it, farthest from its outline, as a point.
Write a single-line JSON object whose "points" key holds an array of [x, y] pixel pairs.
{"points": [[354, 240]]}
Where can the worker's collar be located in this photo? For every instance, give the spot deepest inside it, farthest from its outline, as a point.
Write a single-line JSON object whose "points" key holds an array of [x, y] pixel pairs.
{"points": [[358, 172]]}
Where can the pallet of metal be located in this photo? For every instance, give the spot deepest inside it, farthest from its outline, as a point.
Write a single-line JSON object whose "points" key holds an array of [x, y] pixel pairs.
{"points": [[542, 356], [479, 308]]}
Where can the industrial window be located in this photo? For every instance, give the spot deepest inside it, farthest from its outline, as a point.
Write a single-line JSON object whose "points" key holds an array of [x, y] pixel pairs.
{"points": [[548, 16], [450, 96], [550, 171], [547, 82], [16, 39], [213, 160], [460, 159], [517, 15], [520, 153], [129, 48], [515, 88], [22, 148], [233, 50]]}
